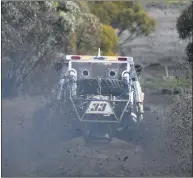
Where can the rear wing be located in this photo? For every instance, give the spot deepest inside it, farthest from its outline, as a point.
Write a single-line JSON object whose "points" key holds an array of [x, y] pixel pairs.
{"points": [[100, 59]]}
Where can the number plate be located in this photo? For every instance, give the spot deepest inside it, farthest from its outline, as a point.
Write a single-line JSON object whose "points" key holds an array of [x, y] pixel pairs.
{"points": [[99, 107]]}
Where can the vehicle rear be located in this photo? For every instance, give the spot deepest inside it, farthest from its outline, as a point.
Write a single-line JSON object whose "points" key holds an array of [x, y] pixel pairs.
{"points": [[102, 95], [101, 92]]}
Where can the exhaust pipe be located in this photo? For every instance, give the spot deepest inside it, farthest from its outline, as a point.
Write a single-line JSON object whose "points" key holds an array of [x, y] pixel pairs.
{"points": [[126, 76], [137, 91], [138, 98]]}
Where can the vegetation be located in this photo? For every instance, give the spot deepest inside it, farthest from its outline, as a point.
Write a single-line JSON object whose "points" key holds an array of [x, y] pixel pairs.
{"points": [[167, 3], [88, 35], [185, 29], [34, 33], [176, 1], [84, 26], [30, 33], [109, 40], [124, 15]]}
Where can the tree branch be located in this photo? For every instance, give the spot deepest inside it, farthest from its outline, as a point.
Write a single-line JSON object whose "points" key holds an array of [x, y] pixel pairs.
{"points": [[127, 39], [131, 37], [121, 31]]}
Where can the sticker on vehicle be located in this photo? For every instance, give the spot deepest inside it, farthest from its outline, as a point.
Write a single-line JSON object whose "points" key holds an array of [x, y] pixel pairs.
{"points": [[99, 107]]}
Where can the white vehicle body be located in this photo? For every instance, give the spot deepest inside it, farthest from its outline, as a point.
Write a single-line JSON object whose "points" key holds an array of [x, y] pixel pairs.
{"points": [[90, 82]]}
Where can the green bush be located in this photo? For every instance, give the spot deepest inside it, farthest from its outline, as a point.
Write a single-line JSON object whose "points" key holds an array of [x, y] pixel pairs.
{"points": [[83, 26], [88, 35], [109, 40], [185, 29], [124, 15]]}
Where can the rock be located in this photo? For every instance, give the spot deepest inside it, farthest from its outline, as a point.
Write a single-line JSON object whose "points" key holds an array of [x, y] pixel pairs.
{"points": [[177, 91], [166, 91]]}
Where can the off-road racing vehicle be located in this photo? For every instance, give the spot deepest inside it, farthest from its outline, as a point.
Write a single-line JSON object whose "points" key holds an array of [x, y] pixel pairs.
{"points": [[103, 93]]}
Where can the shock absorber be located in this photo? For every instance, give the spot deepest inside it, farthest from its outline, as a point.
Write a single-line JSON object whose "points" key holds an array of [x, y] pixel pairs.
{"points": [[131, 103], [62, 82], [126, 77], [73, 82], [138, 96], [136, 93], [60, 89]]}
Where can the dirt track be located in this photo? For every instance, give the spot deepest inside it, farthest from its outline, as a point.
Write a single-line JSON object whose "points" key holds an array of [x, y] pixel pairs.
{"points": [[24, 157], [73, 158]]}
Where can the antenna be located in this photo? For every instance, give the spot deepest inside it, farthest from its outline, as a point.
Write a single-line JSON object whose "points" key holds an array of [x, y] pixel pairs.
{"points": [[99, 52]]}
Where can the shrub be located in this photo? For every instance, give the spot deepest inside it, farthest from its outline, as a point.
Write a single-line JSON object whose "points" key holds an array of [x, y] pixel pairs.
{"points": [[109, 40]]}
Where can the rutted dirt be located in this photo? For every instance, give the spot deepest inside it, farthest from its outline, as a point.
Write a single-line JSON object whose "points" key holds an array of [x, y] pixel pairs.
{"points": [[24, 156], [73, 158]]}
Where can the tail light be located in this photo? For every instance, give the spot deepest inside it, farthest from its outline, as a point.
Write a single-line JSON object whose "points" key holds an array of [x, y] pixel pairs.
{"points": [[75, 57], [122, 59]]}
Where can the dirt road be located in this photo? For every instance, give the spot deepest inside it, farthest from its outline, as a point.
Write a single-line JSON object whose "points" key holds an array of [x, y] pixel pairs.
{"points": [[74, 158], [68, 156]]}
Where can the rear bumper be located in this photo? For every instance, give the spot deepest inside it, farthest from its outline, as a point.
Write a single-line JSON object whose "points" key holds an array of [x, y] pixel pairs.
{"points": [[118, 110]]}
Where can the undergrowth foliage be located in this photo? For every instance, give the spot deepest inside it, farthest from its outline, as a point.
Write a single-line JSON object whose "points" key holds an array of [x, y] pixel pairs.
{"points": [[30, 37], [185, 29], [34, 32]]}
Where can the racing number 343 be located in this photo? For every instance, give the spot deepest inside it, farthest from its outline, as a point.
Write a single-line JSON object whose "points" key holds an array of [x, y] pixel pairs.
{"points": [[99, 107]]}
